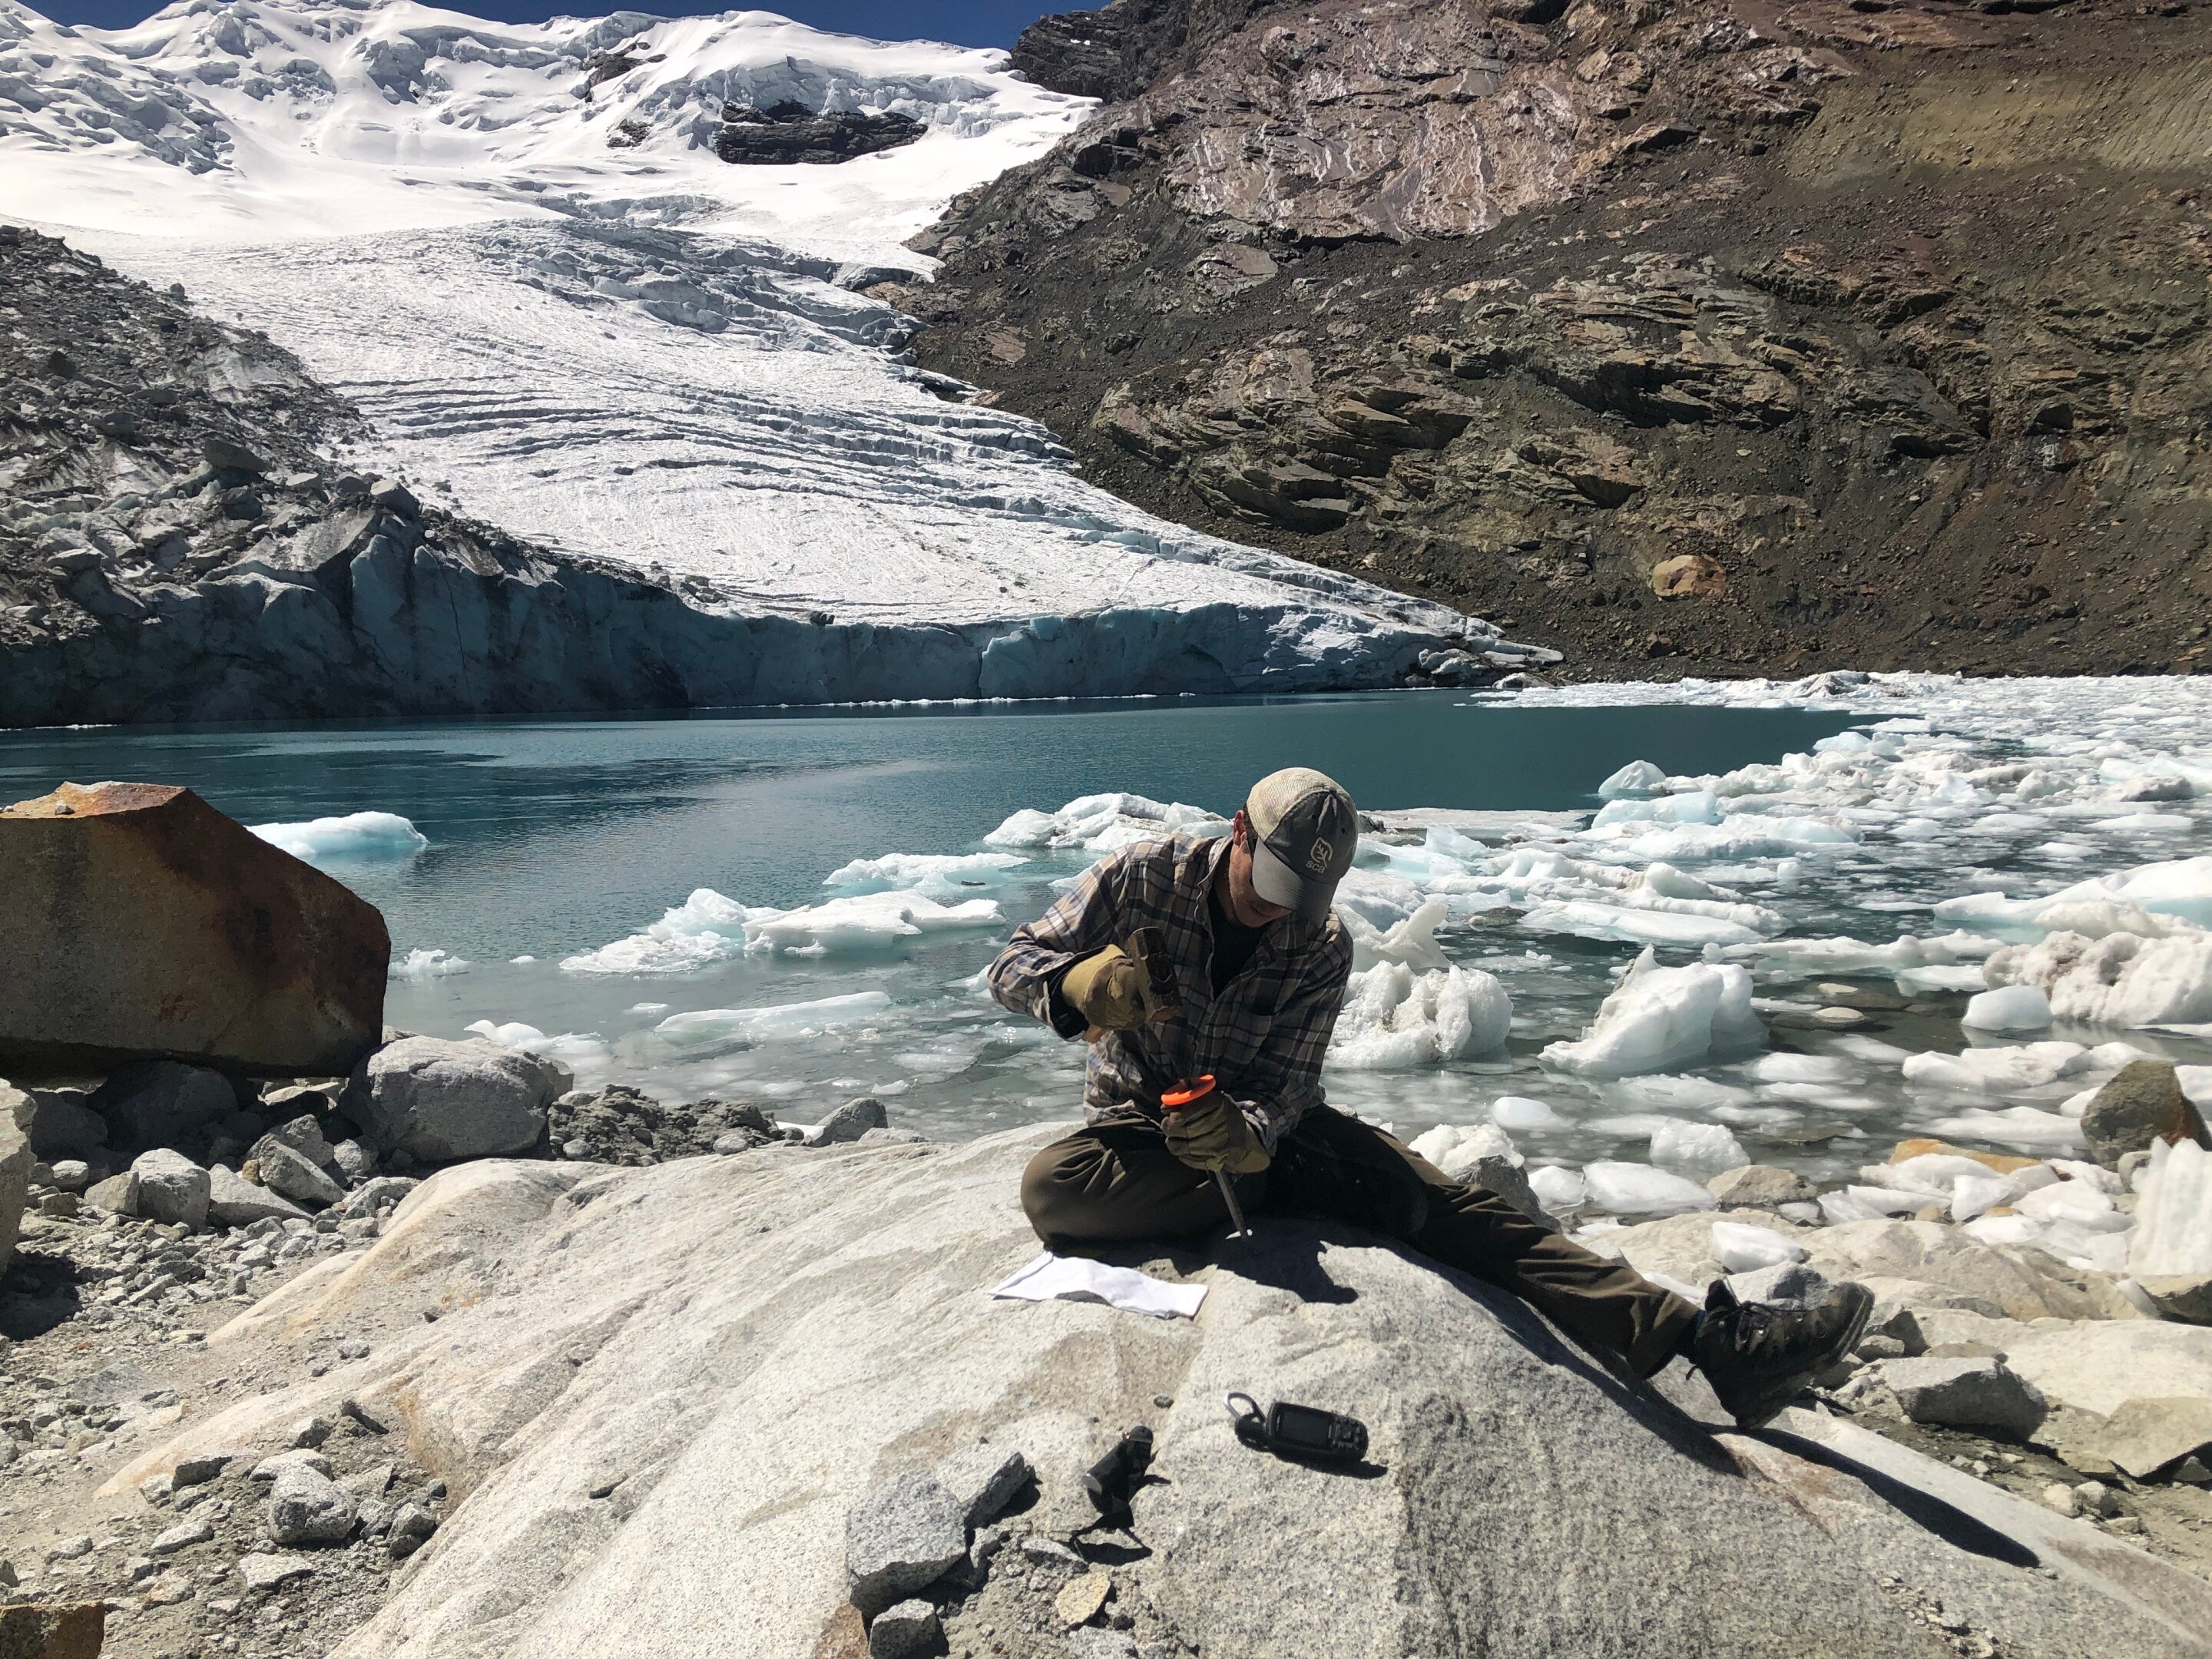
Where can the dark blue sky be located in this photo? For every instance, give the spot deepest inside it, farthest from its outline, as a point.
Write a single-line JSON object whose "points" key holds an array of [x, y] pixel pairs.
{"points": [[970, 22]]}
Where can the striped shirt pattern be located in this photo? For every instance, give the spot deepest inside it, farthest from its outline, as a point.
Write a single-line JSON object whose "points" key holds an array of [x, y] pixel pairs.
{"points": [[1262, 1038]]}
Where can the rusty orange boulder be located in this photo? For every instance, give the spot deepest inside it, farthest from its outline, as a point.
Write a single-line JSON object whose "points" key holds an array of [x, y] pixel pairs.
{"points": [[138, 923]]}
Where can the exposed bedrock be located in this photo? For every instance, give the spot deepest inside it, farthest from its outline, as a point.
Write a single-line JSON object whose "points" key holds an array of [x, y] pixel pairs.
{"points": [[665, 1393], [176, 544], [1685, 332]]}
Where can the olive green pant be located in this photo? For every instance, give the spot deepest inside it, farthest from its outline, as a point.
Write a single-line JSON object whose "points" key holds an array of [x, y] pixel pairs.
{"points": [[1115, 1182]]}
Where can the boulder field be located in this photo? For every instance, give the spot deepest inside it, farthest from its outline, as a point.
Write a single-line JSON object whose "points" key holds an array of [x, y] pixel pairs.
{"points": [[659, 1395]]}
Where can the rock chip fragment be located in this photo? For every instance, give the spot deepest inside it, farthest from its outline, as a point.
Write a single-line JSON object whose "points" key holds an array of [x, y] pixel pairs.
{"points": [[983, 1480], [266, 1571], [902, 1630], [901, 1537]]}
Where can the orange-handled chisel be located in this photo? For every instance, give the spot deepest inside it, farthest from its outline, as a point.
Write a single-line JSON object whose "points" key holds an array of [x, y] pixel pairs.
{"points": [[1187, 1092]]}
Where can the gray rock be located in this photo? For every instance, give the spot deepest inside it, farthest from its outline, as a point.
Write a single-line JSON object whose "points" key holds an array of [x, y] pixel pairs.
{"points": [[851, 1121], [15, 1161], [301, 1134], [310, 1432], [305, 1507], [1760, 1187], [57, 1122], [437, 1101], [1977, 1393], [1789, 1283], [304, 1457], [1509, 1180], [374, 1196], [182, 1536], [892, 1138], [410, 1528], [72, 1175], [2179, 1295], [900, 1630], [286, 1172], [118, 1193], [2143, 1102], [234, 1201], [983, 1480], [1091, 1643], [228, 454], [264, 1571], [287, 1102], [353, 1160], [900, 1538], [171, 1187], [159, 1102], [737, 1140], [198, 1469], [2147, 1435]]}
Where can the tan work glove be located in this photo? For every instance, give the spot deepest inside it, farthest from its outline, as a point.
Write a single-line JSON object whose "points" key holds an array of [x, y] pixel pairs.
{"points": [[1107, 989], [1212, 1134]]}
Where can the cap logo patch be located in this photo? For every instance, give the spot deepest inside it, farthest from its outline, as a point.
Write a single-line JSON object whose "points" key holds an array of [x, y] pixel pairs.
{"points": [[1318, 857]]}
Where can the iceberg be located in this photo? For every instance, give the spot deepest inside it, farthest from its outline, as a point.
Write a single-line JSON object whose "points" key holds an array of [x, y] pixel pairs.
{"points": [[1639, 1189], [788, 1021], [1394, 1018], [432, 963], [1105, 824], [2122, 979], [1660, 1018], [354, 838]]}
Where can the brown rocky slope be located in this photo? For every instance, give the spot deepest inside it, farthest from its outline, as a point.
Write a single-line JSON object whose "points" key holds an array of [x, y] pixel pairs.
{"points": [[1707, 336]]}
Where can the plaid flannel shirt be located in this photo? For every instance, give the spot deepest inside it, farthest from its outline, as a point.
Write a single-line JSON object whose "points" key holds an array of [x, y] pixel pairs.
{"points": [[1262, 1038]]}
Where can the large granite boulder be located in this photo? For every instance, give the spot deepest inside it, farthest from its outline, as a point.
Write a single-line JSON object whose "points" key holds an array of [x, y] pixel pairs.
{"points": [[2143, 1102], [668, 1390], [160, 1102], [437, 1100], [141, 922], [15, 1161]]}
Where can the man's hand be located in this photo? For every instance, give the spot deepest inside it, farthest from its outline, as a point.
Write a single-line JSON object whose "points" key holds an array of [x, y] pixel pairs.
{"points": [[1212, 1134], [1107, 989]]}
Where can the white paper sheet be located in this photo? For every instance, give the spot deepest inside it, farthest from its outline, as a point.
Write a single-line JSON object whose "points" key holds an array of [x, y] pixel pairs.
{"points": [[1072, 1279]]}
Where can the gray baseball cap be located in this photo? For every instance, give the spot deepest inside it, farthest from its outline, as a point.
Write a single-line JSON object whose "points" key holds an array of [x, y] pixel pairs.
{"points": [[1305, 832]]}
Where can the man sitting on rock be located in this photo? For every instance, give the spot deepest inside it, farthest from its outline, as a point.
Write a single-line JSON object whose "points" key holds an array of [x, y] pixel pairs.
{"points": [[1261, 964]]}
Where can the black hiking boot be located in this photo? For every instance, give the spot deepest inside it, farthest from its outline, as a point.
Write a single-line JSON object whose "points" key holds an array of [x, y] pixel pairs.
{"points": [[1759, 1356]]}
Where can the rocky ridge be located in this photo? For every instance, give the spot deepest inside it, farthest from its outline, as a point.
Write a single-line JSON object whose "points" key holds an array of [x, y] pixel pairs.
{"points": [[1689, 335]]}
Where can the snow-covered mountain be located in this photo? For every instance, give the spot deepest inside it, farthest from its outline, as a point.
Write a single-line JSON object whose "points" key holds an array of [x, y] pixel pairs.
{"points": [[518, 250]]}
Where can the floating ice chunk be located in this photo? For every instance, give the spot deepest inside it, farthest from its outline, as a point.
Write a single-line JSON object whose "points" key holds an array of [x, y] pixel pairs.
{"points": [[1473, 1146], [2011, 1008], [1869, 1203], [1639, 1189], [1635, 925], [1520, 1112], [1697, 1149], [1412, 942], [1433, 1143], [1922, 981], [2180, 887], [1854, 956], [934, 875], [1636, 779], [1683, 1094], [866, 921], [1394, 1018], [2020, 1127], [1783, 1066], [1743, 1249], [1694, 806], [1105, 824], [2173, 1215], [421, 964], [512, 1035], [355, 838], [1659, 1017], [2122, 979], [706, 928], [584, 1053], [785, 1021], [1560, 1191], [2076, 1201], [1972, 1194], [1997, 1071]]}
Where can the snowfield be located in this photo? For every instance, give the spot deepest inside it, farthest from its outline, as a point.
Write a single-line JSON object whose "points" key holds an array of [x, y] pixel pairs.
{"points": [[515, 248]]}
